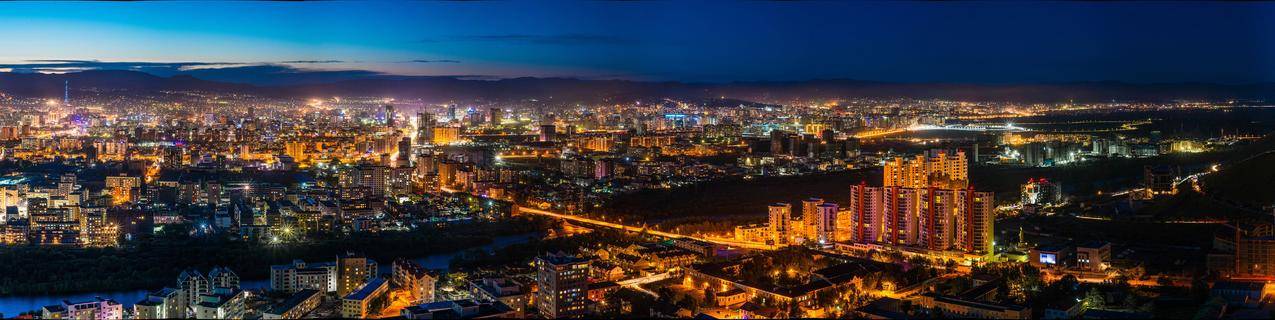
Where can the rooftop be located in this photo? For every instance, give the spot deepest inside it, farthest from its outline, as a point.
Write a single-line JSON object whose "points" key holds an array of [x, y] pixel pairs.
{"points": [[366, 290]]}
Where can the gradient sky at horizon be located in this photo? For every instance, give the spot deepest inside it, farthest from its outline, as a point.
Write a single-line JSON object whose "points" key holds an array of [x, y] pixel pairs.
{"points": [[681, 41]]}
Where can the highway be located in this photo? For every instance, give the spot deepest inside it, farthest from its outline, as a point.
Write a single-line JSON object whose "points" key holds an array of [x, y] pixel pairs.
{"points": [[575, 218]]}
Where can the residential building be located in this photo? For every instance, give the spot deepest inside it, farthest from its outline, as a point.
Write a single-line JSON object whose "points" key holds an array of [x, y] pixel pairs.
{"points": [[352, 271], [414, 279], [563, 286], [358, 304], [297, 306]]}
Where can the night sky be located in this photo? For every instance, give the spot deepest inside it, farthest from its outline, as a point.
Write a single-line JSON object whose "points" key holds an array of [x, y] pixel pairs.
{"points": [[666, 40]]}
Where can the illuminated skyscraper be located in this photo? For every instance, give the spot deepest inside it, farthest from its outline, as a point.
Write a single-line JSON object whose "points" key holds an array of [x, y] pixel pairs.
{"points": [[930, 218], [825, 223], [389, 115], [494, 116], [810, 217], [548, 132], [424, 127]]}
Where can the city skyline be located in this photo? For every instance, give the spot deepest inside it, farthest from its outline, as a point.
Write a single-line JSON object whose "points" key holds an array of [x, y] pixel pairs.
{"points": [[634, 160]]}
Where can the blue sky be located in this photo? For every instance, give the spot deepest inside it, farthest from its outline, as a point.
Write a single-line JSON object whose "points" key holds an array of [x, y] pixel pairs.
{"points": [[665, 40]]}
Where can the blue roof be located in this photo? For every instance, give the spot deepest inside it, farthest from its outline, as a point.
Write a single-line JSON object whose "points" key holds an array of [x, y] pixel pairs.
{"points": [[366, 289]]}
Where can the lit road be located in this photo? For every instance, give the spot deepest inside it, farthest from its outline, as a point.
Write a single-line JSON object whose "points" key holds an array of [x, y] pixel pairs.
{"points": [[636, 283], [644, 280], [575, 218]]}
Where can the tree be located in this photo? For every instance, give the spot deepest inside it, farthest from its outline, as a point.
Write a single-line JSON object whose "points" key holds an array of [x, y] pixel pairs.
{"points": [[1094, 300], [710, 297]]}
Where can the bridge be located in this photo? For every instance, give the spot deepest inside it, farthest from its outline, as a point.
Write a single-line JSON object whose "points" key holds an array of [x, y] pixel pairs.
{"points": [[658, 233]]}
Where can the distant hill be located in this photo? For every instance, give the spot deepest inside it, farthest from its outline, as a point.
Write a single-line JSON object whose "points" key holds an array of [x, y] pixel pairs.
{"points": [[572, 90], [51, 85], [1247, 180]]}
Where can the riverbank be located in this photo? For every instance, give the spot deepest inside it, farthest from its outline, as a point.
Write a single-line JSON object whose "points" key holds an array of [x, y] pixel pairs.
{"points": [[13, 305], [155, 262]]}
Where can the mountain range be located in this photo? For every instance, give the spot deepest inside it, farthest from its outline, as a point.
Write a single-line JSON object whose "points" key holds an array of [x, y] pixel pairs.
{"points": [[581, 90]]}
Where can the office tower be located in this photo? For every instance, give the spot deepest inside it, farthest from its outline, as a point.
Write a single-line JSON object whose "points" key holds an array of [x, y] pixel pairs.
{"points": [[779, 143], [810, 217], [825, 224], [494, 116], [424, 127], [404, 157], [389, 115], [563, 286], [352, 271], [548, 132], [780, 214], [940, 169]]}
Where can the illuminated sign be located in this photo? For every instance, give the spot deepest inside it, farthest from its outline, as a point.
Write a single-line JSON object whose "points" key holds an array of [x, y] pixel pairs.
{"points": [[1048, 258]]}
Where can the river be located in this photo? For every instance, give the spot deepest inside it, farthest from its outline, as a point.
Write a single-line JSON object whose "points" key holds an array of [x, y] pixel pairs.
{"points": [[11, 306]]}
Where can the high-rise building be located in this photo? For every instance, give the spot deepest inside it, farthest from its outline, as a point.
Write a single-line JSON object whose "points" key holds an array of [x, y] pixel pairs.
{"points": [[372, 178], [780, 216], [123, 189], [192, 283], [930, 218], [825, 223], [222, 277], [494, 116], [404, 157], [563, 286], [810, 217], [1041, 192], [424, 127], [941, 169], [446, 135], [389, 115], [96, 230], [548, 132], [414, 279], [66, 185], [779, 143], [352, 271]]}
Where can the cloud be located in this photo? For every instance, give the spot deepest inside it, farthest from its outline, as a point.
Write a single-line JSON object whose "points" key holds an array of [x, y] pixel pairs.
{"points": [[435, 61], [540, 39], [64, 65], [276, 74], [258, 73], [312, 61]]}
